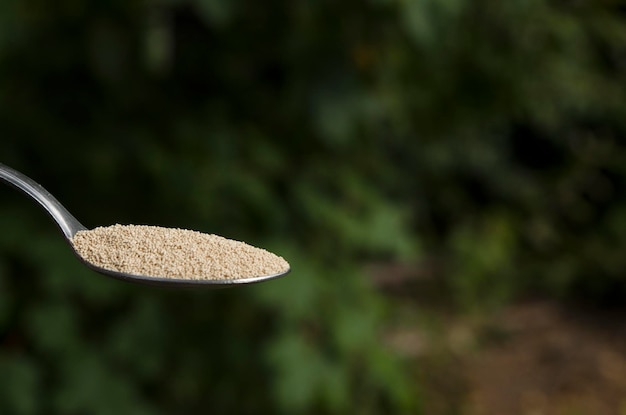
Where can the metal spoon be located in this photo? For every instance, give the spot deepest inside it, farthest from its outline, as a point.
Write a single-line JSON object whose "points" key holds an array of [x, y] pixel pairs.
{"points": [[69, 225]]}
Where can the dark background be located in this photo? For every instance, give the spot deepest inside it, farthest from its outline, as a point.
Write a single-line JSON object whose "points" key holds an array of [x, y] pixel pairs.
{"points": [[478, 142]]}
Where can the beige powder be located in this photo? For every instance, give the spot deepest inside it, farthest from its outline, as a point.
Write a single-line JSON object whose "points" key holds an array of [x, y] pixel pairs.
{"points": [[174, 253]]}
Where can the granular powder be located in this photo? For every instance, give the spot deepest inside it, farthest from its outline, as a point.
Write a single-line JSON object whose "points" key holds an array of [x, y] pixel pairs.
{"points": [[174, 253]]}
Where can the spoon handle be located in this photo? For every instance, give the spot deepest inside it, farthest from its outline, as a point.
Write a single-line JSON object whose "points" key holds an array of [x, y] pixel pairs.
{"points": [[69, 224]]}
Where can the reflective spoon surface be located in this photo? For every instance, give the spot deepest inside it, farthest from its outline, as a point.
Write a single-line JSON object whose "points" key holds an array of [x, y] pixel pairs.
{"points": [[69, 225]]}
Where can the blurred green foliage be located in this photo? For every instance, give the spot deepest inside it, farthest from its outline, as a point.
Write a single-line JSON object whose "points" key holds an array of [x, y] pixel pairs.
{"points": [[485, 134]]}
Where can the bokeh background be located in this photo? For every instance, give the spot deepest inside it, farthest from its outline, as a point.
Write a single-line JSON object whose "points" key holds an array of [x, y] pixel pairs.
{"points": [[445, 176]]}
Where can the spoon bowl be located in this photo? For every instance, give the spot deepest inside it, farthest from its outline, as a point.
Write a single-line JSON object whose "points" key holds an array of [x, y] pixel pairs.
{"points": [[69, 226]]}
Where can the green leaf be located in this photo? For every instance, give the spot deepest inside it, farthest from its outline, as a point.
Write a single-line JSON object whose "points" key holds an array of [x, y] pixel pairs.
{"points": [[19, 385]]}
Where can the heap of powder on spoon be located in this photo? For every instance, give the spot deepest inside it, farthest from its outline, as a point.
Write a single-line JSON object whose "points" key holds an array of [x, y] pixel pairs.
{"points": [[174, 253]]}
